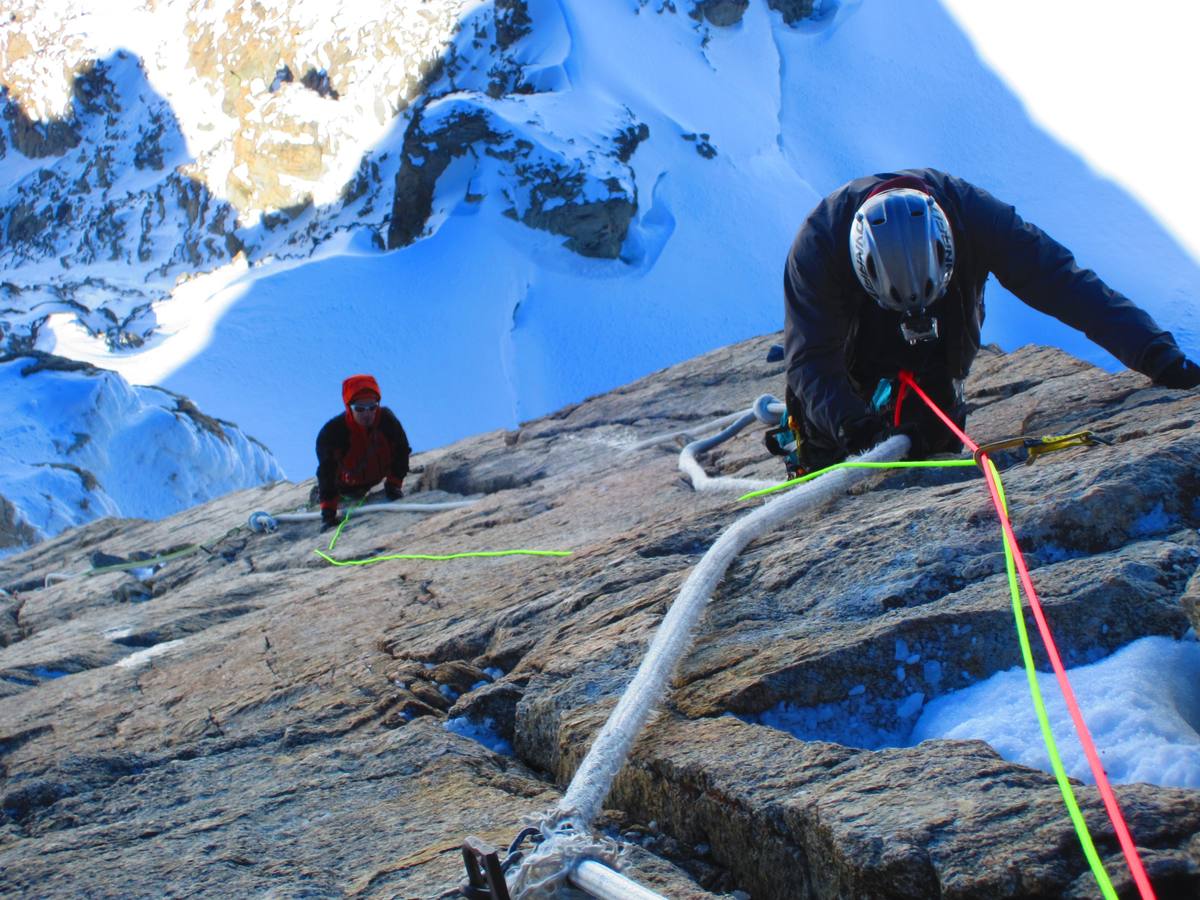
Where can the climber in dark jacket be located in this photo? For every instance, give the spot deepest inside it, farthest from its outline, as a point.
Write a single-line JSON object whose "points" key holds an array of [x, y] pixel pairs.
{"points": [[887, 274], [359, 448]]}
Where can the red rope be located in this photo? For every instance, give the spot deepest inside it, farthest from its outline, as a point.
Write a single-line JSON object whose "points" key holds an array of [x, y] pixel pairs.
{"points": [[1085, 738], [901, 393]]}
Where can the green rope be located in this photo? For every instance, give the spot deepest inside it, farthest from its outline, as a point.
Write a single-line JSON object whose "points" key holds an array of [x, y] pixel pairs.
{"points": [[903, 464], [1060, 775], [436, 557], [345, 519]]}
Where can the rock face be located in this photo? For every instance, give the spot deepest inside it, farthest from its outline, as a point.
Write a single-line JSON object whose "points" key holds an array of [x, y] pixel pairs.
{"points": [[480, 106], [250, 720]]}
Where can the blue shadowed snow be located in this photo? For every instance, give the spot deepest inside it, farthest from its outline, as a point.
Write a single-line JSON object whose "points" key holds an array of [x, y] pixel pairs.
{"points": [[1141, 704], [1052, 553], [484, 733]]}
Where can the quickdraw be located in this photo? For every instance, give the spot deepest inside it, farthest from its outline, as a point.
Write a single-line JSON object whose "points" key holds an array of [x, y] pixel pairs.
{"points": [[1036, 448]]}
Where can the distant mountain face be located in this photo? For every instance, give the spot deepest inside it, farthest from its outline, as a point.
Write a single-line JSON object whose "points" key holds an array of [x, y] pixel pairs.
{"points": [[78, 443], [137, 150], [142, 148]]}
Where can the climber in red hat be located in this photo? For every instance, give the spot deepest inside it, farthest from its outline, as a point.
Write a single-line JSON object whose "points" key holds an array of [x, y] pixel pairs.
{"points": [[359, 448]]}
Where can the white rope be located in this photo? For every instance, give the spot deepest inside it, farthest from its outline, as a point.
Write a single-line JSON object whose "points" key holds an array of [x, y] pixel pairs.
{"points": [[543, 872], [264, 521], [55, 577], [595, 775], [766, 409], [689, 432], [593, 779]]}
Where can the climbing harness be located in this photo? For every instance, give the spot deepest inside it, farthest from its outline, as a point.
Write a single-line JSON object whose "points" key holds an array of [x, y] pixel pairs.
{"points": [[785, 440]]}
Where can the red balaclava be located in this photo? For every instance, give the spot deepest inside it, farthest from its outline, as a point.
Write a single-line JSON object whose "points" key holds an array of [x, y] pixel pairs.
{"points": [[352, 388]]}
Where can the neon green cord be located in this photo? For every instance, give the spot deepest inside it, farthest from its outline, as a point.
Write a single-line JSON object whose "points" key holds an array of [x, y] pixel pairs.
{"points": [[903, 464], [346, 518], [1060, 775], [436, 557]]}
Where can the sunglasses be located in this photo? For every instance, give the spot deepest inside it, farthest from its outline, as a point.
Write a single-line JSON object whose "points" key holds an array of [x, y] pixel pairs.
{"points": [[364, 407]]}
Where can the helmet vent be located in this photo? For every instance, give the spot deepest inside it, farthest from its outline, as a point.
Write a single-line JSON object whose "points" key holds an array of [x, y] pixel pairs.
{"points": [[928, 288]]}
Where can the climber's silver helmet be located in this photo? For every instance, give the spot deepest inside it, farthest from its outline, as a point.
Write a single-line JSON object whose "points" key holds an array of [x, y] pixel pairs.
{"points": [[902, 249]]}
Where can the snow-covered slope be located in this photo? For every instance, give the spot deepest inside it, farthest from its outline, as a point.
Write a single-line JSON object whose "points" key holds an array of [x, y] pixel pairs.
{"points": [[77, 443], [574, 193]]}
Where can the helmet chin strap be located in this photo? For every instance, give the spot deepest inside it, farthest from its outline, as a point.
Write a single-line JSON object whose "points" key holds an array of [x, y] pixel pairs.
{"points": [[919, 328]]}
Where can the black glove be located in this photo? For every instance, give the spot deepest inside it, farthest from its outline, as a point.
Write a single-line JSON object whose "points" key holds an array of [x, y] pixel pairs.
{"points": [[329, 518], [862, 434], [392, 490], [912, 431], [1179, 375]]}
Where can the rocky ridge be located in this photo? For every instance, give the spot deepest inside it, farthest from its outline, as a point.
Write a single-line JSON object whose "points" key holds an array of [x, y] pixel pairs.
{"points": [[250, 720], [231, 132]]}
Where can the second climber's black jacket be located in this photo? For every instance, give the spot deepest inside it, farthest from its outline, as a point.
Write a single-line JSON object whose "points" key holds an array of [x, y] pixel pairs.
{"points": [[839, 342], [386, 453]]}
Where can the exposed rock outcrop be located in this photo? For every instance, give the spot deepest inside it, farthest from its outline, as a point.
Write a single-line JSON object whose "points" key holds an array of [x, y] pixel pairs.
{"points": [[251, 720]]}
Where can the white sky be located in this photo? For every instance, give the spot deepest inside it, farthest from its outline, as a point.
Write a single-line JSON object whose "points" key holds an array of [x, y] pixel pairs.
{"points": [[1116, 82]]}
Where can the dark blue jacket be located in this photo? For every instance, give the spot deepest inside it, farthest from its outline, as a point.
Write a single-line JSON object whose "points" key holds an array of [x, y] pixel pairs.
{"points": [[839, 342]]}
